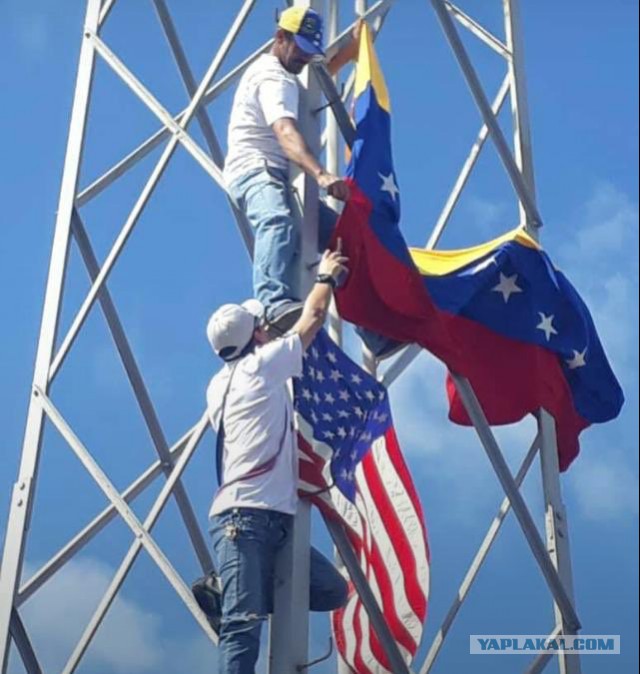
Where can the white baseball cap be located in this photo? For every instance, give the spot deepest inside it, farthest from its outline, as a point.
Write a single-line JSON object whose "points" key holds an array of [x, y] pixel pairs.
{"points": [[231, 327]]}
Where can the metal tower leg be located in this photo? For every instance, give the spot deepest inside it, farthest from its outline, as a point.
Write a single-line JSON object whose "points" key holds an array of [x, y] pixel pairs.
{"points": [[557, 529], [556, 525], [24, 489], [289, 626]]}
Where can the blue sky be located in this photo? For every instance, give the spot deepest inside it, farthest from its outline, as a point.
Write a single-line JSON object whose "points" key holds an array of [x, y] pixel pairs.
{"points": [[185, 257]]}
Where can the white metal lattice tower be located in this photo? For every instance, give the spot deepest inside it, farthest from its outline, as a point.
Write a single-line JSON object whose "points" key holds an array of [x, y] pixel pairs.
{"points": [[288, 639]]}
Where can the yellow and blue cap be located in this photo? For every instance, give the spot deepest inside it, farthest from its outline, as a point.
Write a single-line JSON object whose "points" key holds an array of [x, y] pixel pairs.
{"points": [[306, 26]]}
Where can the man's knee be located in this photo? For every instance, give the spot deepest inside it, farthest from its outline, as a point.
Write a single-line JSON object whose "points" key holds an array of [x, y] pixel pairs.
{"points": [[328, 588], [338, 594], [242, 626]]}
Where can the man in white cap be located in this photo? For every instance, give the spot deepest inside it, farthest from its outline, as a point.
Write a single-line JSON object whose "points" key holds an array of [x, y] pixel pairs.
{"points": [[252, 513]]}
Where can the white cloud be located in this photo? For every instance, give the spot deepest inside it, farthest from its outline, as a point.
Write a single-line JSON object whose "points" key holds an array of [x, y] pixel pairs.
{"points": [[602, 261], [488, 217], [131, 639], [605, 488]]}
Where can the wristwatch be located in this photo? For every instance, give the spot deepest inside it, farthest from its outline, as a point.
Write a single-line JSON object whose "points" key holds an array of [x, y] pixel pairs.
{"points": [[326, 278]]}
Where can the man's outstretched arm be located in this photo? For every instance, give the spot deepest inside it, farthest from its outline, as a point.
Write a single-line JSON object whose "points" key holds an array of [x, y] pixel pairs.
{"points": [[333, 264], [297, 150]]}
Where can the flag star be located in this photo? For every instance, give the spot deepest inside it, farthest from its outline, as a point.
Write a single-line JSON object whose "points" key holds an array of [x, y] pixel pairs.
{"points": [[335, 375], [383, 417], [319, 376], [314, 417], [343, 394], [358, 411], [356, 378], [316, 398], [370, 395], [353, 455], [484, 264], [341, 432], [315, 353], [350, 476], [344, 474], [507, 286], [577, 360], [331, 357], [546, 325], [312, 373], [337, 453], [343, 414], [326, 417], [381, 396], [389, 185], [329, 434], [306, 394], [328, 398], [305, 356], [352, 432]]}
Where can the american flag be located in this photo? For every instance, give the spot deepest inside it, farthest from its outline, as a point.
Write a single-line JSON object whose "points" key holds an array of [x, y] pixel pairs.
{"points": [[352, 469]]}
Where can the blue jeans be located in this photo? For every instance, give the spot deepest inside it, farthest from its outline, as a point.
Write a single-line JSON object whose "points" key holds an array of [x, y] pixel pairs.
{"points": [[264, 196], [245, 542]]}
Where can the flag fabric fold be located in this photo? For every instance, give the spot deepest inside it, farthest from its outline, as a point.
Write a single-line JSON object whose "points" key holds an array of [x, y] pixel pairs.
{"points": [[352, 469], [499, 314]]}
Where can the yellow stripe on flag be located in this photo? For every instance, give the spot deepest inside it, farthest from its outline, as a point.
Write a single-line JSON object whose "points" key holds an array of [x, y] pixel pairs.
{"points": [[368, 71], [443, 262]]}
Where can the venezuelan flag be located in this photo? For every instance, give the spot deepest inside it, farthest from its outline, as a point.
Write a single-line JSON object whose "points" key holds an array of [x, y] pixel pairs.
{"points": [[500, 313], [384, 285], [530, 339]]}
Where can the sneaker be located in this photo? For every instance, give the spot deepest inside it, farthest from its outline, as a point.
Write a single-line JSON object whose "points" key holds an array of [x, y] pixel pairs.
{"points": [[208, 594], [285, 317]]}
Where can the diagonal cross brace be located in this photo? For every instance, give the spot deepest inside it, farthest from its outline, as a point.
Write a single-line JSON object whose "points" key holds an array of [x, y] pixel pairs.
{"points": [[99, 522], [489, 118], [147, 191], [140, 530], [478, 561], [141, 393], [490, 444], [203, 118]]}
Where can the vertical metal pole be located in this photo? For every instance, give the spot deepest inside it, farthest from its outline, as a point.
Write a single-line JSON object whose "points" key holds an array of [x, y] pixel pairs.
{"points": [[333, 157], [24, 488], [557, 529], [289, 626], [519, 105], [369, 362], [333, 166], [556, 526]]}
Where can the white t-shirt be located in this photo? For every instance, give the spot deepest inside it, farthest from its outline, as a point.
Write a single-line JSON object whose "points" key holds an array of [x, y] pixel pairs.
{"points": [[266, 93], [258, 420]]}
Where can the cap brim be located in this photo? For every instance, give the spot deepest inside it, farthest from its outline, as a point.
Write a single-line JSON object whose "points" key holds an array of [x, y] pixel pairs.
{"points": [[307, 46]]}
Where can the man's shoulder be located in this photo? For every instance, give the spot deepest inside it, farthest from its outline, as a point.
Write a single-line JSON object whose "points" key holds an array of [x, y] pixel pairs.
{"points": [[278, 350], [268, 66]]}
